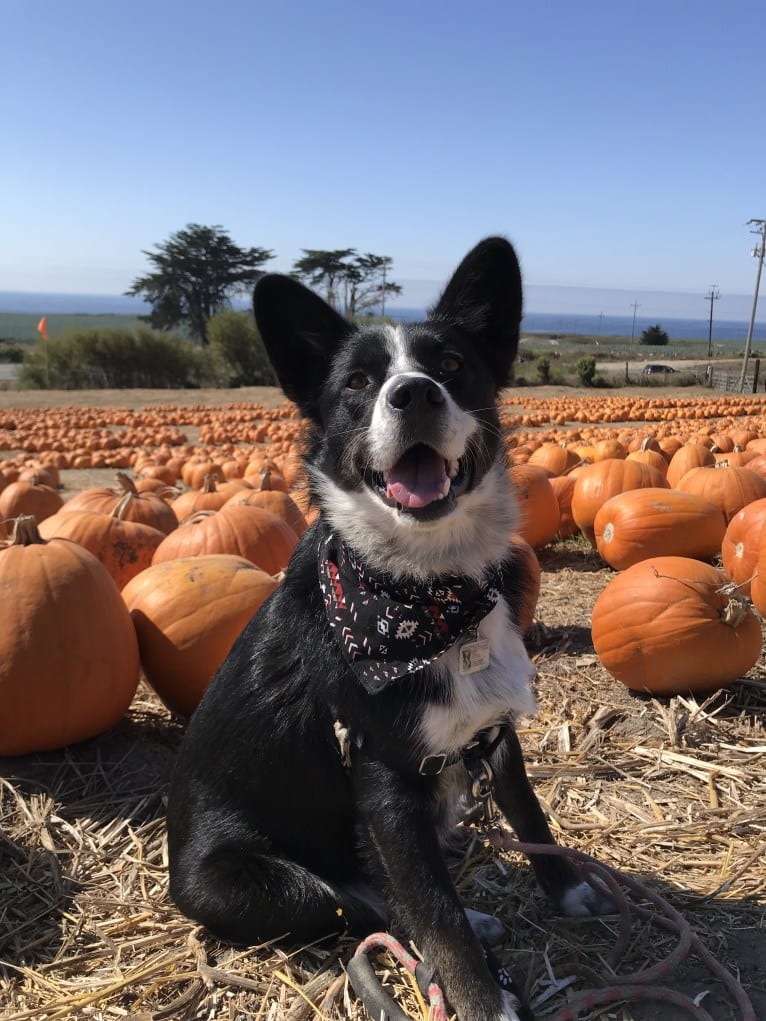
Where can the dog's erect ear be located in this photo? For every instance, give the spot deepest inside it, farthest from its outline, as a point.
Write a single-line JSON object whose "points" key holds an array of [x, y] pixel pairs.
{"points": [[301, 332], [483, 299]]}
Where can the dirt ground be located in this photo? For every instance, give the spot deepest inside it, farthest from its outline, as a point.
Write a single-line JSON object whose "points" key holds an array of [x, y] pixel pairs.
{"points": [[671, 792]]}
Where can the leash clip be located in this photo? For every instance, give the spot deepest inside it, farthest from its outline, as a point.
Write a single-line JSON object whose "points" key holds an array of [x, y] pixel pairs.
{"points": [[482, 776]]}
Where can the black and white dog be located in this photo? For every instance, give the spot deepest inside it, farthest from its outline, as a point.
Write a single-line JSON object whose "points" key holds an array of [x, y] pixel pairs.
{"points": [[374, 691]]}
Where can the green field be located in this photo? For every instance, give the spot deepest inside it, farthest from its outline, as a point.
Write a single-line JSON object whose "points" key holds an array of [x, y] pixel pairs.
{"points": [[20, 328]]}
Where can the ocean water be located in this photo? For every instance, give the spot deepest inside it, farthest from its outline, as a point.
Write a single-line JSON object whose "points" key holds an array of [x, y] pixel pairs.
{"points": [[725, 331]]}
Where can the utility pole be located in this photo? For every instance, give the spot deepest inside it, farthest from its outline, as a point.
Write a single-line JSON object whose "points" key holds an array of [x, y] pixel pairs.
{"points": [[634, 306], [760, 229], [713, 295]]}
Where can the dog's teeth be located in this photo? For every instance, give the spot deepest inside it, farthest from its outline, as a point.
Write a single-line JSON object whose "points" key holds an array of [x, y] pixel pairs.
{"points": [[445, 488], [452, 468]]}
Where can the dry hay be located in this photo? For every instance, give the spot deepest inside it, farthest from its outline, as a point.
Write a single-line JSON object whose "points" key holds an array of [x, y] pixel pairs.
{"points": [[671, 792]]}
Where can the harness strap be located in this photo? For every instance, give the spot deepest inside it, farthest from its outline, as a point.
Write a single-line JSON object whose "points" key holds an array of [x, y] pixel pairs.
{"points": [[478, 749]]}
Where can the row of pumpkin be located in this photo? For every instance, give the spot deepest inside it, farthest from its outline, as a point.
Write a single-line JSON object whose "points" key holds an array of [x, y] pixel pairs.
{"points": [[177, 597], [670, 622]]}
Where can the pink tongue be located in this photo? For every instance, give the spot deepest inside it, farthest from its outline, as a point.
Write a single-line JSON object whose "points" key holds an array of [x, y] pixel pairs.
{"points": [[418, 478]]}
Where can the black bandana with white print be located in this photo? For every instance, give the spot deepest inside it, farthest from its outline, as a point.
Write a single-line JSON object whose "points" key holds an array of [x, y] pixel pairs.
{"points": [[387, 630]]}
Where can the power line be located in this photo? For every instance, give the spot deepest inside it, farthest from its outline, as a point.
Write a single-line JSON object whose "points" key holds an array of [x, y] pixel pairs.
{"points": [[713, 295], [760, 229]]}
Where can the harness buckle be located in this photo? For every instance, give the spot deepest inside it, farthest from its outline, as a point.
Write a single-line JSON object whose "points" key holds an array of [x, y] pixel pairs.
{"points": [[432, 765]]}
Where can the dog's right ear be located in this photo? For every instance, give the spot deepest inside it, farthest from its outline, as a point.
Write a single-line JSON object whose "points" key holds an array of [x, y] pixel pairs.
{"points": [[301, 333]]}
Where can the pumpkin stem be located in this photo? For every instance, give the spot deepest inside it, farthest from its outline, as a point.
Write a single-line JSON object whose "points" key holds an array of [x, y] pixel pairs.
{"points": [[266, 480], [25, 532], [209, 483], [127, 483], [125, 501], [735, 611]]}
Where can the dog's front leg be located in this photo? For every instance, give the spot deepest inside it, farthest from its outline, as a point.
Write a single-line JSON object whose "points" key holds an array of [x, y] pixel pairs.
{"points": [[558, 878], [397, 814]]}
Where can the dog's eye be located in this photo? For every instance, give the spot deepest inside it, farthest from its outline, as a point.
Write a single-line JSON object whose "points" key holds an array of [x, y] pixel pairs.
{"points": [[358, 381], [450, 364]]}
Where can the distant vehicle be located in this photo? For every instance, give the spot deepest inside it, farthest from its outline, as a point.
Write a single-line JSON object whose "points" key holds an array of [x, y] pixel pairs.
{"points": [[652, 370]]}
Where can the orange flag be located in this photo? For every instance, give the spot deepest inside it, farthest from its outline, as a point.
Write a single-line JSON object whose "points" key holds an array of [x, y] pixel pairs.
{"points": [[42, 328]]}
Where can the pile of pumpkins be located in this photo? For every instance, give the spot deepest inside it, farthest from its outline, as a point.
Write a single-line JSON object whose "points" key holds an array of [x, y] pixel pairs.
{"points": [[161, 572], [142, 576], [669, 622]]}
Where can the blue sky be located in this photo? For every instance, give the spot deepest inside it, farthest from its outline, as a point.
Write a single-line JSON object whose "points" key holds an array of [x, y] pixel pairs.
{"points": [[618, 145]]}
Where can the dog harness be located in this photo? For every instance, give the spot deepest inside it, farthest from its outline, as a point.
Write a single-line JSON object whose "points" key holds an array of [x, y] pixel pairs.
{"points": [[388, 629]]}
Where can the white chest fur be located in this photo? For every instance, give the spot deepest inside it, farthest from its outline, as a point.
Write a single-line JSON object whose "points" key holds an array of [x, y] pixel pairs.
{"points": [[484, 698]]}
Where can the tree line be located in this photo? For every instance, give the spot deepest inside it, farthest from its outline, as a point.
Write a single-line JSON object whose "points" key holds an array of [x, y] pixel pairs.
{"points": [[198, 270]]}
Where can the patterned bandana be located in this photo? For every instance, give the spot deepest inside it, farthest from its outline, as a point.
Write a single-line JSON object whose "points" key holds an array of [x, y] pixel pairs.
{"points": [[386, 631]]}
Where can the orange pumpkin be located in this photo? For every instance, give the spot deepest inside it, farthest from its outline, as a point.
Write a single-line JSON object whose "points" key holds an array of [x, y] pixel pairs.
{"points": [[68, 652], [276, 502], [538, 506], [691, 455], [123, 547], [643, 523], [529, 593], [563, 487], [239, 530], [730, 489], [187, 615], [741, 545], [148, 508], [597, 483], [209, 497], [666, 626], [556, 458], [23, 497]]}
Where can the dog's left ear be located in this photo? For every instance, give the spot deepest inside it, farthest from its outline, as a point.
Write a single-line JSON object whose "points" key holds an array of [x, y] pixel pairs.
{"points": [[483, 300], [301, 333]]}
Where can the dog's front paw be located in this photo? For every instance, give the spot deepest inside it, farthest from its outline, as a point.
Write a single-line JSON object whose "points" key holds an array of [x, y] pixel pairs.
{"points": [[513, 1009], [583, 900], [489, 930]]}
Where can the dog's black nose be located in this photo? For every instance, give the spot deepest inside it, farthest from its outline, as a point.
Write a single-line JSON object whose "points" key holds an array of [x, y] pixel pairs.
{"points": [[415, 392]]}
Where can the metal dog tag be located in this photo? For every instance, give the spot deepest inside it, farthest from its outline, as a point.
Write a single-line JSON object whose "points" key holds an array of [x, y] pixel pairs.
{"points": [[473, 653]]}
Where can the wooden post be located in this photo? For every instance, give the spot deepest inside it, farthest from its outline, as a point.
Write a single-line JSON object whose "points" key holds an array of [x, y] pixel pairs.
{"points": [[756, 367]]}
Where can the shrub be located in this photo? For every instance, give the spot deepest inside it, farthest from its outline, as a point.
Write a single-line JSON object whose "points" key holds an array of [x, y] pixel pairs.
{"points": [[10, 352], [116, 358], [544, 369], [239, 357], [586, 370], [655, 335]]}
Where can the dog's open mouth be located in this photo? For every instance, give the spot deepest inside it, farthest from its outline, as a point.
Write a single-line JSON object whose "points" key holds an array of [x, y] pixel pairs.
{"points": [[422, 482]]}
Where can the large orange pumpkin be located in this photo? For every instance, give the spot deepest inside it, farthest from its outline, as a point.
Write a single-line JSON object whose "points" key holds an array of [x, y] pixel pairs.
{"points": [[643, 523], [275, 502], [691, 455], [148, 508], [123, 547], [741, 544], [187, 614], [563, 487], [597, 483], [22, 497], [239, 530], [68, 652], [667, 626], [538, 506], [524, 555], [731, 489], [555, 457]]}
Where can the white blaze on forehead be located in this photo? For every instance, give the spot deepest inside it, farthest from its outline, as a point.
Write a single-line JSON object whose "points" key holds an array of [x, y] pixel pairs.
{"points": [[399, 346]]}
